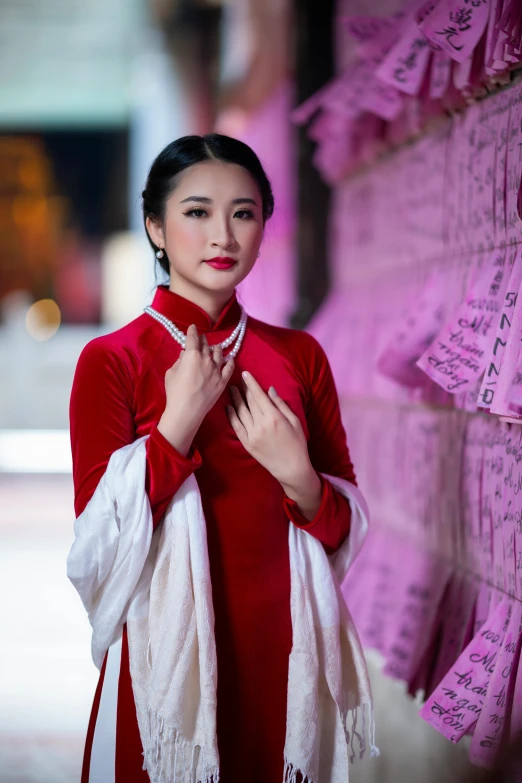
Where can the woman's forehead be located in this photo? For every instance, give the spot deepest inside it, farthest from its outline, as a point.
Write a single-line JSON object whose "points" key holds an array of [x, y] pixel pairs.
{"points": [[216, 179]]}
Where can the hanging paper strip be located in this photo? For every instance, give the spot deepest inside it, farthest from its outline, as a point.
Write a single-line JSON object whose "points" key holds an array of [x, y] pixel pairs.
{"points": [[456, 26]]}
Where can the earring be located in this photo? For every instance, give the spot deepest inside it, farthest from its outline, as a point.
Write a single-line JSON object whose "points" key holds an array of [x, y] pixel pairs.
{"points": [[160, 253]]}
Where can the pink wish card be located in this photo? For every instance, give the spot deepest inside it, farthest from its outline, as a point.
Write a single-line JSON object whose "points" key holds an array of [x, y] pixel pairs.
{"points": [[493, 720], [376, 624], [514, 167], [486, 507], [445, 532], [421, 585], [440, 74], [502, 118], [458, 701], [511, 352], [421, 323], [509, 507], [374, 34], [457, 624], [383, 100], [493, 367], [452, 203], [513, 511], [482, 131], [516, 706], [456, 26], [514, 393], [330, 94], [469, 556], [457, 357], [495, 475], [405, 64], [486, 601], [462, 74]]}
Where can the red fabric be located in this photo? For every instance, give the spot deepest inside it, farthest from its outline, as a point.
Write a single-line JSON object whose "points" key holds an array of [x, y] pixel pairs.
{"points": [[118, 395]]}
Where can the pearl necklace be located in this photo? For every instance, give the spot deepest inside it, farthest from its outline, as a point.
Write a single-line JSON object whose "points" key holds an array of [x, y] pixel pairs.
{"points": [[181, 338]]}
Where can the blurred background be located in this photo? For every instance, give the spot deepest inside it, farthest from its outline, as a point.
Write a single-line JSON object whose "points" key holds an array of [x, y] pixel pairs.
{"points": [[90, 92]]}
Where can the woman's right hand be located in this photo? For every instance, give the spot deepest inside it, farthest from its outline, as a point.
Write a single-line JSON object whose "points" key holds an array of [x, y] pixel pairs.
{"points": [[193, 385]]}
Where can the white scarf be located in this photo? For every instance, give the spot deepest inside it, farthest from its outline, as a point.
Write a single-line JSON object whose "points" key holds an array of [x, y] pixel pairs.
{"points": [[160, 586]]}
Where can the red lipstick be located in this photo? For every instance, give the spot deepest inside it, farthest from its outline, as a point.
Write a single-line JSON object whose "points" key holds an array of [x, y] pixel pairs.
{"points": [[221, 262]]}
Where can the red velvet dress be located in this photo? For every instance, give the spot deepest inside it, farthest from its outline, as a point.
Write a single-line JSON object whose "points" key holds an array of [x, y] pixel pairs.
{"points": [[118, 395]]}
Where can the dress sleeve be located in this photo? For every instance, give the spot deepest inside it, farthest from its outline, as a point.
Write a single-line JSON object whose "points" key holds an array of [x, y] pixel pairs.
{"points": [[328, 454], [102, 421]]}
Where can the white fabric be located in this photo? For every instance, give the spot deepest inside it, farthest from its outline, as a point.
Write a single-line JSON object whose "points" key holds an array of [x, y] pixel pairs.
{"points": [[170, 624], [103, 752]]}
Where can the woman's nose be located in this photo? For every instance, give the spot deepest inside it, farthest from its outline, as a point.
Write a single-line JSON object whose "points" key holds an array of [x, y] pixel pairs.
{"points": [[223, 235]]}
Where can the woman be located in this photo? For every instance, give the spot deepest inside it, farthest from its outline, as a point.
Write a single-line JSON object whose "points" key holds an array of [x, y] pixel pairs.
{"points": [[260, 430]]}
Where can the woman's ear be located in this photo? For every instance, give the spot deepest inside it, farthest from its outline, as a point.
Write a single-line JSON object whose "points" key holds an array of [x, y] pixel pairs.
{"points": [[155, 230]]}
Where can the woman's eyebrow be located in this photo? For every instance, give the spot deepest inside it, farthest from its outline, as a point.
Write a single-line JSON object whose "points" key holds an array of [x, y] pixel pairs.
{"points": [[201, 199], [244, 201], [205, 200]]}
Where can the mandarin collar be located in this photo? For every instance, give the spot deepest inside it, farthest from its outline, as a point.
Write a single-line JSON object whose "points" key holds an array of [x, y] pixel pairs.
{"points": [[183, 312]]}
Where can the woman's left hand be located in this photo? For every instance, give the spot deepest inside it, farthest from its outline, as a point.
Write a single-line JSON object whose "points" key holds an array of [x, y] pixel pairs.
{"points": [[270, 432]]}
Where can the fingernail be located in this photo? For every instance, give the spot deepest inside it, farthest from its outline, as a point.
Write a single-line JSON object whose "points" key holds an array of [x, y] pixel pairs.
{"points": [[229, 409], [272, 391], [245, 374]]}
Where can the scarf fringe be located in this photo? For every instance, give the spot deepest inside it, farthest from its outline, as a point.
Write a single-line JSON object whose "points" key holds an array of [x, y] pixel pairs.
{"points": [[290, 774], [350, 720], [169, 758], [367, 731]]}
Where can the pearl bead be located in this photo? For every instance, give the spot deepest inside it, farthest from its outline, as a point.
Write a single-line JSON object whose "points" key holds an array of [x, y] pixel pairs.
{"points": [[181, 338]]}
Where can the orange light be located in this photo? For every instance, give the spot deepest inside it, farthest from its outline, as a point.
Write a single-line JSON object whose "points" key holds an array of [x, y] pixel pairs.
{"points": [[43, 319]]}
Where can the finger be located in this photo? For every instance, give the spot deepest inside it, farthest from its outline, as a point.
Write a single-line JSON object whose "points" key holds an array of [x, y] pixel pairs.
{"points": [[262, 399], [192, 341], [237, 425], [241, 407], [217, 355], [252, 403], [205, 348], [285, 409], [227, 370]]}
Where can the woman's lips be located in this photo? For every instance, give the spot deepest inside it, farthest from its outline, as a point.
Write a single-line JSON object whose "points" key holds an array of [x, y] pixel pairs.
{"points": [[221, 263]]}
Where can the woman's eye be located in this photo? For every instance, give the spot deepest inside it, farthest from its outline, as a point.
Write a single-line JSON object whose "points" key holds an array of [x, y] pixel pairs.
{"points": [[197, 213], [244, 214]]}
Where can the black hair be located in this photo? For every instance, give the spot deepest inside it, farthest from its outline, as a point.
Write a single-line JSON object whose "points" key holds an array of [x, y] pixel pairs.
{"points": [[188, 151]]}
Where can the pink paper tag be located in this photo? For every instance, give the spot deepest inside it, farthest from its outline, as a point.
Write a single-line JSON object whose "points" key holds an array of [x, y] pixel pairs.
{"points": [[489, 382], [405, 64], [514, 503], [490, 728], [422, 585], [514, 168], [374, 34], [382, 99], [458, 356], [457, 618], [514, 393], [456, 26], [516, 709], [457, 702], [440, 74], [417, 331], [500, 404]]}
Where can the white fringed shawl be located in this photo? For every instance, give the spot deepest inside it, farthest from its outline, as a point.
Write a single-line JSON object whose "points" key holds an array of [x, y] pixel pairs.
{"points": [[160, 585]]}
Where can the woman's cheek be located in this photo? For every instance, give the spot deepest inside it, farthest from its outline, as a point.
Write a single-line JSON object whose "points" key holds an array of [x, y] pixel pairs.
{"points": [[187, 235]]}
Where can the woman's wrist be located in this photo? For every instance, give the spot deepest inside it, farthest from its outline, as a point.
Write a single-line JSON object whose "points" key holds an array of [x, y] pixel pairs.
{"points": [[178, 431], [306, 491]]}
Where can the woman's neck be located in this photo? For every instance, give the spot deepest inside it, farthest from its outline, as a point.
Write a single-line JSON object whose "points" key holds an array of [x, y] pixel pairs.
{"points": [[212, 302]]}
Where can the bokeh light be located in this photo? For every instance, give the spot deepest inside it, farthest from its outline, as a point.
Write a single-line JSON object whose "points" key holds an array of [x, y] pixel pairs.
{"points": [[43, 319]]}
